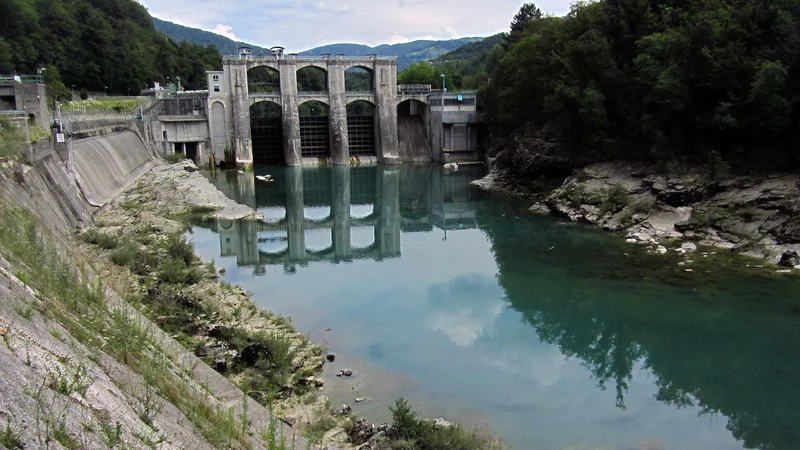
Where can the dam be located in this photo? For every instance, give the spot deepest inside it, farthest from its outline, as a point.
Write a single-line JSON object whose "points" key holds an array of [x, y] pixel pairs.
{"points": [[321, 110]]}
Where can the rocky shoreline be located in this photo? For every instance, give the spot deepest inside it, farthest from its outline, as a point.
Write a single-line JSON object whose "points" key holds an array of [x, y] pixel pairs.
{"points": [[673, 210]]}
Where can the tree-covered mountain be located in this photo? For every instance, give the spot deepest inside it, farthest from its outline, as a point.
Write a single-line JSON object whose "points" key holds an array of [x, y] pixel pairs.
{"points": [[464, 67], [97, 45], [406, 53], [180, 33]]}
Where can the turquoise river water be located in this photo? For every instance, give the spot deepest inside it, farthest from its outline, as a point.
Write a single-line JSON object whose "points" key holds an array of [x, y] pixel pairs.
{"points": [[554, 335]]}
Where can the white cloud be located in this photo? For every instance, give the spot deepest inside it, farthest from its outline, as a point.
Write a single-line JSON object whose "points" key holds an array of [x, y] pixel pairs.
{"points": [[397, 38], [450, 32], [301, 25], [225, 30], [464, 307]]}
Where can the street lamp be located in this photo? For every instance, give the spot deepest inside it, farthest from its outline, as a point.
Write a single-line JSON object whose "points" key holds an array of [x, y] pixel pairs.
{"points": [[105, 91], [129, 92], [441, 132], [73, 92]]}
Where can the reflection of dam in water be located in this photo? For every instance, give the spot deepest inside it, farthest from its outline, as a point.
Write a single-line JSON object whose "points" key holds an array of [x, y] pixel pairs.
{"points": [[340, 214]]}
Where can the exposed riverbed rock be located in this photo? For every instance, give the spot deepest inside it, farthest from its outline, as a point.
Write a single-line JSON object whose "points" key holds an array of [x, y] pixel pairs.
{"points": [[789, 259], [175, 189], [362, 431], [757, 217]]}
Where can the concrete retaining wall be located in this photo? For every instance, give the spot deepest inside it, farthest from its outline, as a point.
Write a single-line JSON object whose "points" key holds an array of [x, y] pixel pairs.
{"points": [[105, 165]]}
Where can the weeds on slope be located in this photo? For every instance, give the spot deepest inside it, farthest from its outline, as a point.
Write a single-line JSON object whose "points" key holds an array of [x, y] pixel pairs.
{"points": [[80, 307], [167, 268]]}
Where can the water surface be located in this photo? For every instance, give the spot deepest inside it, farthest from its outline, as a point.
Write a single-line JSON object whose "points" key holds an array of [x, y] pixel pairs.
{"points": [[553, 334]]}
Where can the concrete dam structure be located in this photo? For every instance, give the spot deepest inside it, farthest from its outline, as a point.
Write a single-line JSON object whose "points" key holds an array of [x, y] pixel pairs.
{"points": [[317, 110]]}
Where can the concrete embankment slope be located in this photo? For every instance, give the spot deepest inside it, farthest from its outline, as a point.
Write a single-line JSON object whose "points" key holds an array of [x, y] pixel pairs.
{"points": [[106, 165]]}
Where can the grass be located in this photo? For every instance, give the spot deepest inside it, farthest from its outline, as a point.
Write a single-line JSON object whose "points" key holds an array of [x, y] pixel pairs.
{"points": [[322, 422], [175, 158], [201, 209], [68, 383], [614, 199], [609, 200], [80, 307], [709, 216], [417, 434], [104, 240], [167, 265], [11, 140], [131, 206], [104, 104], [26, 312], [38, 133], [112, 434], [9, 436]]}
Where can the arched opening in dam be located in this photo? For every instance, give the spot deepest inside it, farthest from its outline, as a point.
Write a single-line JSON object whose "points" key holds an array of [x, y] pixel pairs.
{"points": [[311, 79], [315, 139], [412, 135], [361, 128], [263, 80], [266, 131], [359, 80]]}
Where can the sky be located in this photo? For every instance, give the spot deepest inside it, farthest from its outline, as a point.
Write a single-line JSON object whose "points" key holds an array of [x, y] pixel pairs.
{"points": [[304, 24]]}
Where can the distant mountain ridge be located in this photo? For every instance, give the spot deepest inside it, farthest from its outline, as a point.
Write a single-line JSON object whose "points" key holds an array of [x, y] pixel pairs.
{"points": [[406, 53]]}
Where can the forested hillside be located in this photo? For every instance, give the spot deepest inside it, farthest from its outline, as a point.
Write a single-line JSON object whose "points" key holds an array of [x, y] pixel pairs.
{"points": [[180, 33], [711, 81], [94, 44]]}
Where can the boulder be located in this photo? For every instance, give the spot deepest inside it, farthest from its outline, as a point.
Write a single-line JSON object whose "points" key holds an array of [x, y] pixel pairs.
{"points": [[344, 410], [362, 431], [345, 372], [252, 353], [789, 259], [441, 423], [203, 351], [331, 357], [220, 364], [689, 247]]}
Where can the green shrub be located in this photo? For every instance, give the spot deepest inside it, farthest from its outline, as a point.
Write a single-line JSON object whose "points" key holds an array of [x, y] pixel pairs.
{"points": [[322, 422], [614, 199], [426, 435], [128, 253], [11, 139], [404, 419], [175, 158], [175, 271], [95, 237], [125, 253], [748, 213], [178, 247], [9, 437]]}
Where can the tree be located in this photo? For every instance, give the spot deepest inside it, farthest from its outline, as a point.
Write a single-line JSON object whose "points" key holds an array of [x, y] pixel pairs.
{"points": [[418, 73], [6, 64], [528, 13], [56, 91]]}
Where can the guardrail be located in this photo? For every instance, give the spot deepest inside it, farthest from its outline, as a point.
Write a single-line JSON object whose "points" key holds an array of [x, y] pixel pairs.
{"points": [[10, 79], [412, 89], [308, 58]]}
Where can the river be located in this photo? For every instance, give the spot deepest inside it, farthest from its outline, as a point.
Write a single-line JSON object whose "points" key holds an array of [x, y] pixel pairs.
{"points": [[555, 335]]}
